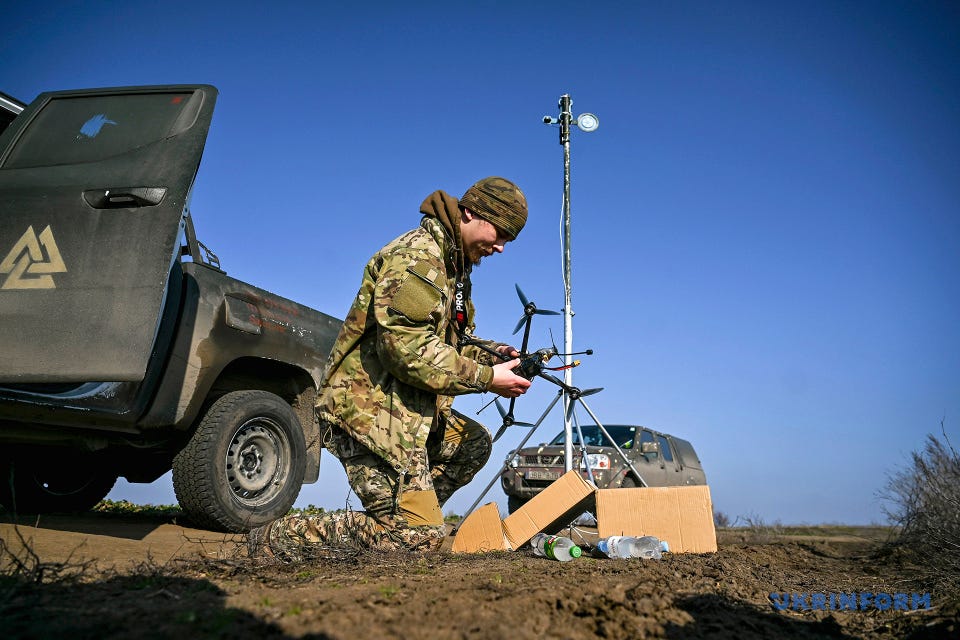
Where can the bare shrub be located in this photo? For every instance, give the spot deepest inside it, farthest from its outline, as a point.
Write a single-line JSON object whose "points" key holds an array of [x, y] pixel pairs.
{"points": [[756, 530], [924, 504], [721, 519], [765, 532], [21, 569]]}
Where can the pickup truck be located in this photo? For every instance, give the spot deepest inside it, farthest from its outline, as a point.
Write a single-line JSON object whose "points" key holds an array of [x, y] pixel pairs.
{"points": [[650, 459], [125, 349]]}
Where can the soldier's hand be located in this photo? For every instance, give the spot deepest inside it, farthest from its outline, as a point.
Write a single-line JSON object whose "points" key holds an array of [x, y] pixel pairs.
{"points": [[505, 382], [507, 350]]}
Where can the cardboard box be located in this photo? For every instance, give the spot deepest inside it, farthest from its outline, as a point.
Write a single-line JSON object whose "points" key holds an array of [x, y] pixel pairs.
{"points": [[549, 511], [683, 516], [480, 531]]}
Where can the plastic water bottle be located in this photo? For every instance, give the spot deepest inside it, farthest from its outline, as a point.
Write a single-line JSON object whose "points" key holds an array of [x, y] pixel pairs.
{"points": [[631, 547], [555, 547]]}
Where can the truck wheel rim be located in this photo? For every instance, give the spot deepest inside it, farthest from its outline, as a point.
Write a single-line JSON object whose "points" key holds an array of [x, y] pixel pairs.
{"points": [[256, 461]]}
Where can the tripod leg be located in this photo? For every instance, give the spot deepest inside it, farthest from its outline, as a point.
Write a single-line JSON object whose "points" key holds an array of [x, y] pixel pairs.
{"points": [[506, 463], [619, 450]]}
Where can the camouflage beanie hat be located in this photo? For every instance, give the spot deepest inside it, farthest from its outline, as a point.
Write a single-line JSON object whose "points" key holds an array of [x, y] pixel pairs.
{"points": [[498, 201]]}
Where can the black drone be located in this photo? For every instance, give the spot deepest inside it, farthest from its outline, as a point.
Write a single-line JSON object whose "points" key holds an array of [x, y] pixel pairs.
{"points": [[533, 364]]}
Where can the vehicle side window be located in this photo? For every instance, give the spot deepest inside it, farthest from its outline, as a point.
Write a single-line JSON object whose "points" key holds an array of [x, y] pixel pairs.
{"points": [[665, 449], [646, 436], [89, 129], [685, 453]]}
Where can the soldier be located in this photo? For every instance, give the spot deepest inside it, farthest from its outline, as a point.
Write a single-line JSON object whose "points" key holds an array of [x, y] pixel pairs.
{"points": [[385, 404]]}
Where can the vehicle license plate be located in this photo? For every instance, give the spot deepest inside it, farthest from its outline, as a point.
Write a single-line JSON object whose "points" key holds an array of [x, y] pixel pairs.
{"points": [[542, 475]]}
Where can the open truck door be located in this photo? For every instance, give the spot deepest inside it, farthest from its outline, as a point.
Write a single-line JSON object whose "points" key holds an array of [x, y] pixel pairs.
{"points": [[83, 176]]}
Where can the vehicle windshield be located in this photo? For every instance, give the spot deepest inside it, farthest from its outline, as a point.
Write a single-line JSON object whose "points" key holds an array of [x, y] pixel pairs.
{"points": [[593, 437]]}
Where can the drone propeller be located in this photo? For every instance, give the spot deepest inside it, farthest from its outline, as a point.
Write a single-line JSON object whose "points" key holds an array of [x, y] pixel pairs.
{"points": [[575, 394], [529, 310], [508, 420], [523, 298]]}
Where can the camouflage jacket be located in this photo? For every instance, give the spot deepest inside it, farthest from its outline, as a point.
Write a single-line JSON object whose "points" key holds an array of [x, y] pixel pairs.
{"points": [[395, 363]]}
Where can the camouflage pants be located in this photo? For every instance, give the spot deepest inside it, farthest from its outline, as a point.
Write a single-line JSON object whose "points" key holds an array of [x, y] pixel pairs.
{"points": [[400, 512]]}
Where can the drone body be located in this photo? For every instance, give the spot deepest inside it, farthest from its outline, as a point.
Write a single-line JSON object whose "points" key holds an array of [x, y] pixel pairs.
{"points": [[532, 364]]}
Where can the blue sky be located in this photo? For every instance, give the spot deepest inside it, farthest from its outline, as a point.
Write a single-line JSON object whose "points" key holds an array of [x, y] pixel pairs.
{"points": [[765, 226]]}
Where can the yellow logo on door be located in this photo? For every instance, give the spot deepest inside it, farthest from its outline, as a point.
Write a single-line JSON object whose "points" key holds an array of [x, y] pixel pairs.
{"points": [[31, 261]]}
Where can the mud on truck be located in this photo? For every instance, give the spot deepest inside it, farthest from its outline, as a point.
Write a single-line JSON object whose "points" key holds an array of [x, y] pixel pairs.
{"points": [[125, 349]]}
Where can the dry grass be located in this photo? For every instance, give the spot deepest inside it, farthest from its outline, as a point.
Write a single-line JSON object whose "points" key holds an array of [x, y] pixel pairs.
{"points": [[924, 503]]}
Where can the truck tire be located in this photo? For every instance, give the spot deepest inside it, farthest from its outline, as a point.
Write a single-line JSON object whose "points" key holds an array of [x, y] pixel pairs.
{"points": [[243, 467], [54, 480]]}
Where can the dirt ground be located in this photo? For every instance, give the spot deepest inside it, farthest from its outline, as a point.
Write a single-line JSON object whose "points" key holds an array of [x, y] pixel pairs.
{"points": [[108, 576]]}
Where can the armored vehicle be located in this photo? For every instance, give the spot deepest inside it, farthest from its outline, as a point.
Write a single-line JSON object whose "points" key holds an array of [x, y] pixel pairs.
{"points": [[125, 349], [661, 460]]}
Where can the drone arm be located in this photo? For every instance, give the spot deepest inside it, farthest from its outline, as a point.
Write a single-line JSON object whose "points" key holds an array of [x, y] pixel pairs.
{"points": [[526, 334], [486, 345], [487, 352]]}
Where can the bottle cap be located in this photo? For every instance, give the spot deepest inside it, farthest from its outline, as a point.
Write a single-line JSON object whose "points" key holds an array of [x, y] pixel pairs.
{"points": [[575, 551]]}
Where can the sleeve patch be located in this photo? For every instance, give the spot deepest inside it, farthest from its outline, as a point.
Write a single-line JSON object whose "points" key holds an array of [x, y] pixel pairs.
{"points": [[418, 294]]}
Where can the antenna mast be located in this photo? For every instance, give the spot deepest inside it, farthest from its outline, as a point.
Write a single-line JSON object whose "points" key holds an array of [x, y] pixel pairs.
{"points": [[585, 122]]}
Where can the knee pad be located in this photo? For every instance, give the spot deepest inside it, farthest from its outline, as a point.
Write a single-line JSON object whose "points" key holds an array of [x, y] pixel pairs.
{"points": [[421, 508]]}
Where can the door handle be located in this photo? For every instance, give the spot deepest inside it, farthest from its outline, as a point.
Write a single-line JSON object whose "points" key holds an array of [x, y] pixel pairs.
{"points": [[124, 197]]}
